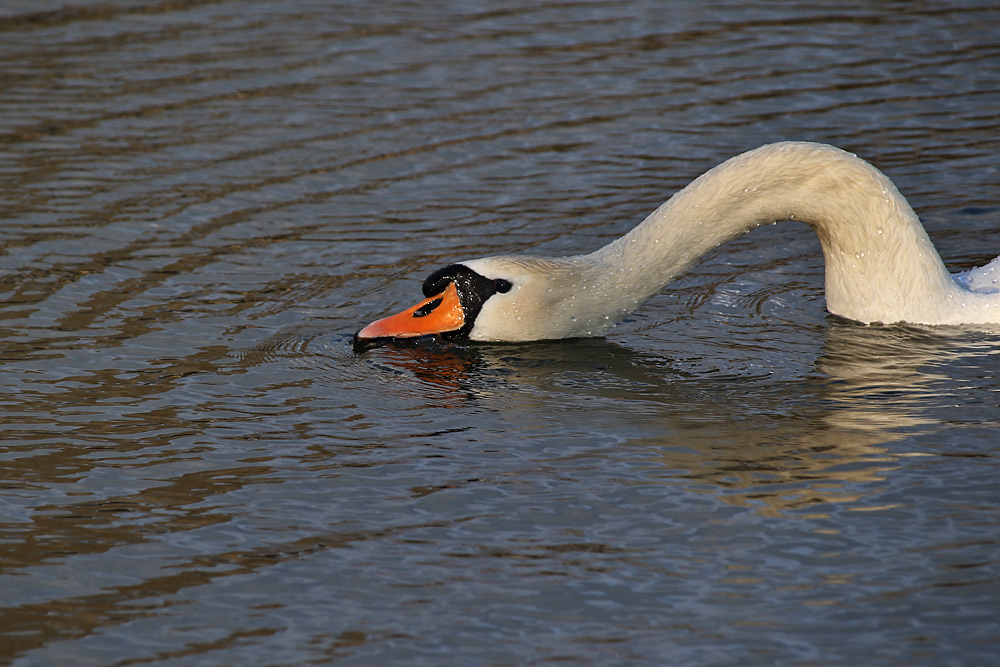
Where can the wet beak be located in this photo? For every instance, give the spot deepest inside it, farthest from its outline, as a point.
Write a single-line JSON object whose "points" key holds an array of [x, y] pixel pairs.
{"points": [[438, 314]]}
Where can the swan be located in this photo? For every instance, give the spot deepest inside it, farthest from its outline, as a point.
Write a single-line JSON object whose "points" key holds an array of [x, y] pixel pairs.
{"points": [[880, 265]]}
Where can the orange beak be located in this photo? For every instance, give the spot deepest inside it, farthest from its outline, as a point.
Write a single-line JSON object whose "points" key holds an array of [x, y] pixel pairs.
{"points": [[438, 314]]}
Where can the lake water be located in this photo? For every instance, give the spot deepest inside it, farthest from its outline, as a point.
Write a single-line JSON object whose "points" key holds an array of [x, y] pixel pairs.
{"points": [[201, 201]]}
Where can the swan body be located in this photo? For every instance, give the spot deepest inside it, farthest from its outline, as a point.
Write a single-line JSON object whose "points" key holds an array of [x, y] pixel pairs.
{"points": [[880, 264]]}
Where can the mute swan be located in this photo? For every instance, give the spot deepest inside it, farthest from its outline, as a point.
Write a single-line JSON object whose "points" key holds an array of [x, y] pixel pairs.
{"points": [[880, 264]]}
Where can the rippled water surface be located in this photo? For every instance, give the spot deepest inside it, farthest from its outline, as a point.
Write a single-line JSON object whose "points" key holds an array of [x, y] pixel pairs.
{"points": [[200, 202]]}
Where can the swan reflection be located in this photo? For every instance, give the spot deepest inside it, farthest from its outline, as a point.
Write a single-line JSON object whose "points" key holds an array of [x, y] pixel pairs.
{"points": [[779, 446]]}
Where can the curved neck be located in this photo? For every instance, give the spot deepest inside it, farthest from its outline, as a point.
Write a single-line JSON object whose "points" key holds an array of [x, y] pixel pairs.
{"points": [[880, 264]]}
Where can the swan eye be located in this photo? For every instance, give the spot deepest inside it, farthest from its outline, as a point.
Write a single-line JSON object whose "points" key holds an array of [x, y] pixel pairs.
{"points": [[427, 308], [502, 286]]}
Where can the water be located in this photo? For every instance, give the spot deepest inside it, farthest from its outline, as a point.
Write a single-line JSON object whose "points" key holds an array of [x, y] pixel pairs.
{"points": [[200, 202]]}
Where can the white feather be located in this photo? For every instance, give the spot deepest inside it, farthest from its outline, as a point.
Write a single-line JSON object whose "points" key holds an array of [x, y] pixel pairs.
{"points": [[880, 264]]}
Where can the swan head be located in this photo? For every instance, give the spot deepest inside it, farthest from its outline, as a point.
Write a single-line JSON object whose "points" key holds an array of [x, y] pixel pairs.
{"points": [[501, 299]]}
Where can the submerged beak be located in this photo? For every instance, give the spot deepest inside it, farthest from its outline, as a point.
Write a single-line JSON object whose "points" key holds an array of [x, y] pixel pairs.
{"points": [[438, 314]]}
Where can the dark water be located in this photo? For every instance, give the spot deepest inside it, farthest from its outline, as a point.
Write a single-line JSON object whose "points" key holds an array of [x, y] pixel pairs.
{"points": [[201, 201]]}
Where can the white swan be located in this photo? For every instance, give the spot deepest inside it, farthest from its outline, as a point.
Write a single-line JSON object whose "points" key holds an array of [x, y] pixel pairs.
{"points": [[880, 264]]}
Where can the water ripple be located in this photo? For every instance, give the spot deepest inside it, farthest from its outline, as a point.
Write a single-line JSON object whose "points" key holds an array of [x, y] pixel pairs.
{"points": [[200, 202]]}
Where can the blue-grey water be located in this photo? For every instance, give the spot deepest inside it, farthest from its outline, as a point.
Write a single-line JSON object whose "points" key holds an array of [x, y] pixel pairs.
{"points": [[200, 202]]}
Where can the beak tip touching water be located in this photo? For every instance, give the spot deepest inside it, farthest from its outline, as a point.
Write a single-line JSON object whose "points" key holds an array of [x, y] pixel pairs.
{"points": [[363, 344], [377, 334]]}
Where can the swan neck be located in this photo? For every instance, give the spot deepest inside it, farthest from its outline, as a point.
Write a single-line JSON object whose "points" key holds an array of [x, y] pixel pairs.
{"points": [[880, 264]]}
